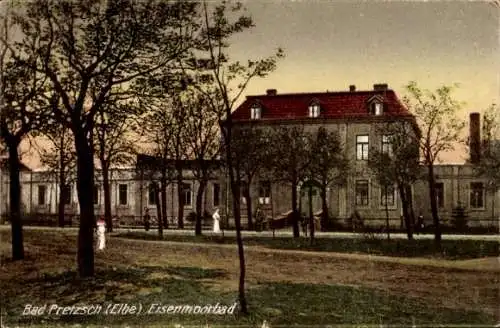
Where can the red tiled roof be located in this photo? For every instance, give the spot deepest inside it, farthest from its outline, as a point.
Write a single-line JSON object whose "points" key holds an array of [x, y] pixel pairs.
{"points": [[333, 105]]}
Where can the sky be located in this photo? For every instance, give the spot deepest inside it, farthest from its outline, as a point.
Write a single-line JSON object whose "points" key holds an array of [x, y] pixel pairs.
{"points": [[330, 45]]}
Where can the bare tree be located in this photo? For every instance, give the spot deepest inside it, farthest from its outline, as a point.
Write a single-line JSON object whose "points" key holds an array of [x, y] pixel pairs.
{"points": [[22, 110], [60, 159], [163, 125], [250, 147], [223, 81], [440, 131], [329, 166], [290, 160], [202, 136], [397, 163], [94, 45], [114, 142]]}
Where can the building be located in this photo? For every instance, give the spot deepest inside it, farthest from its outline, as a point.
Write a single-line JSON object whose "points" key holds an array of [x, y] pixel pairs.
{"points": [[355, 115], [131, 193]]}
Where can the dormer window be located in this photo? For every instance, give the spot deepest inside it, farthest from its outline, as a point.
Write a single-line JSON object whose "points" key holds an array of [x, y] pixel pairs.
{"points": [[376, 105], [255, 112], [314, 110]]}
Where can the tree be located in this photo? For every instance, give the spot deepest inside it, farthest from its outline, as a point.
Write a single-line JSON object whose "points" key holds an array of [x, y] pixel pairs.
{"points": [[21, 111], [93, 50], [60, 159], [489, 165], [329, 165], [114, 143], [203, 139], [440, 130], [223, 81], [164, 126], [397, 164], [250, 147], [290, 159]]}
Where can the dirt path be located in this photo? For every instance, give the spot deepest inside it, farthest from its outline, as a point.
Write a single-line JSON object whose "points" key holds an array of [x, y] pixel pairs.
{"points": [[484, 264]]}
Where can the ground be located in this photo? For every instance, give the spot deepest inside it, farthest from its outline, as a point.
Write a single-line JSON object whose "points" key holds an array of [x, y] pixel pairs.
{"points": [[284, 287]]}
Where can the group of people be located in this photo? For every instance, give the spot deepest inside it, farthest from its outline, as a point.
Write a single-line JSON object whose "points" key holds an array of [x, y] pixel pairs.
{"points": [[101, 227], [215, 217]]}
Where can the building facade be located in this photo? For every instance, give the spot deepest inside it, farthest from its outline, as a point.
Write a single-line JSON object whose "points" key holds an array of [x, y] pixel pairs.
{"points": [[355, 115]]}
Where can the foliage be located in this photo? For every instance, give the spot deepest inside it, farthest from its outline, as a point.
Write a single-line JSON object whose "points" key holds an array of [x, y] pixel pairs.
{"points": [[436, 114], [329, 163], [440, 130], [291, 154]]}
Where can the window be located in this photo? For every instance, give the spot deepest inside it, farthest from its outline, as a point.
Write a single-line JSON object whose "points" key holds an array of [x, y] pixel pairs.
{"points": [[362, 148], [151, 194], [42, 190], [96, 194], [377, 108], [314, 110], [439, 187], [255, 112], [387, 195], [386, 145], [362, 192], [265, 192], [66, 191], [476, 195], [216, 194], [122, 194], [186, 191]]}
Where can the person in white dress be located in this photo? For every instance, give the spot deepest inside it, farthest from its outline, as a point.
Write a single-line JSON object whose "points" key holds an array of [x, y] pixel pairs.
{"points": [[101, 237], [216, 218]]}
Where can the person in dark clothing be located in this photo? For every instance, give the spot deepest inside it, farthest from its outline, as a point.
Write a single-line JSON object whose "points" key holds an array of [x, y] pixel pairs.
{"points": [[147, 219], [420, 223]]}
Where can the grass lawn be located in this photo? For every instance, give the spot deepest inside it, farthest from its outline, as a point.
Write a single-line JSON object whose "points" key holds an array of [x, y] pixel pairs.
{"points": [[451, 249], [284, 288]]}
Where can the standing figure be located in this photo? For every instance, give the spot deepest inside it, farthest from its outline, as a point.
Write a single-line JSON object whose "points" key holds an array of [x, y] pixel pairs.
{"points": [[216, 218], [101, 238], [147, 219]]}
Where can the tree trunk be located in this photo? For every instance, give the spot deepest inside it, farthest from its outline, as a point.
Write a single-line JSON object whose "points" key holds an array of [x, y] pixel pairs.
{"points": [[235, 187], [311, 215], [15, 201], [158, 210], [406, 213], [180, 199], [107, 195], [199, 205], [387, 216], [324, 209], [62, 196], [434, 207], [85, 184], [248, 199], [62, 182], [163, 186], [295, 212]]}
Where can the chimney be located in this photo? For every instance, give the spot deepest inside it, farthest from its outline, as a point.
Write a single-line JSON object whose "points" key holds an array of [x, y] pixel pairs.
{"points": [[474, 138], [352, 88], [380, 87], [271, 92]]}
